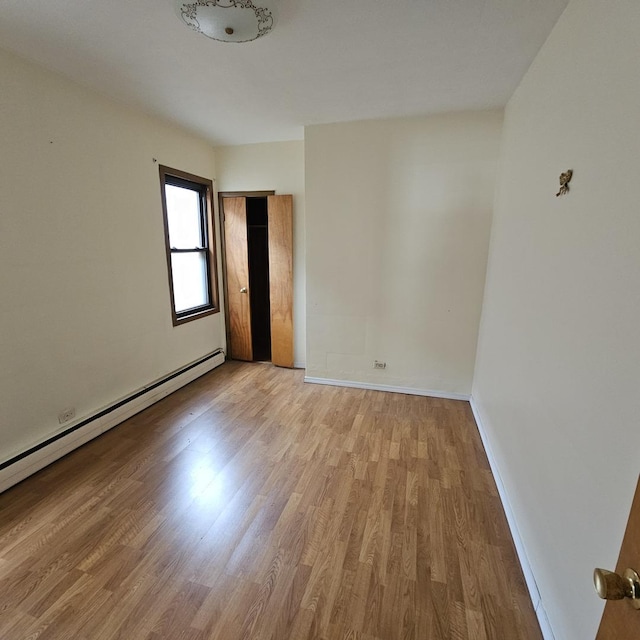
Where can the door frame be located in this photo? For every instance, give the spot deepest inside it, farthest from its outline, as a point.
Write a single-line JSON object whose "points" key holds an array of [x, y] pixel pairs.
{"points": [[223, 249]]}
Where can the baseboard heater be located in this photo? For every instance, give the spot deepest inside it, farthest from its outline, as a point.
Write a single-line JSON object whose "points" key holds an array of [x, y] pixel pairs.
{"points": [[40, 455]]}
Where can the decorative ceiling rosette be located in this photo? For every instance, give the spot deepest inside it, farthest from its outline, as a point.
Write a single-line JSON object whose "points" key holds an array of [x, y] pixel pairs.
{"points": [[229, 20]]}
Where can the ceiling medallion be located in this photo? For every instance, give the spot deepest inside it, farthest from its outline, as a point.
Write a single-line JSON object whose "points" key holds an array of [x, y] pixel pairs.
{"points": [[229, 20]]}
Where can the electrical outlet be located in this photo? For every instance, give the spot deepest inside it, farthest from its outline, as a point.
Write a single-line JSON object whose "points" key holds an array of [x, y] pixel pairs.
{"points": [[379, 365], [67, 414]]}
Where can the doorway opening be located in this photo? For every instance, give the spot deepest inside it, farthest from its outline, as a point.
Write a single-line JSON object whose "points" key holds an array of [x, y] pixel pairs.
{"points": [[257, 237], [258, 250]]}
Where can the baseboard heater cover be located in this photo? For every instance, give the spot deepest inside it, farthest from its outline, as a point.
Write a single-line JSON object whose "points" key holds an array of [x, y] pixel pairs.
{"points": [[37, 457]]}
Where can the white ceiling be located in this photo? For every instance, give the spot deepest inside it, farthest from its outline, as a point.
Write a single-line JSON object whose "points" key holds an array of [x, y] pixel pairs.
{"points": [[326, 60]]}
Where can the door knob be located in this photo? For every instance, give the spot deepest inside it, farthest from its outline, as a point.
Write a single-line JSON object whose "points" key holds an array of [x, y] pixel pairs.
{"points": [[611, 586], [243, 290]]}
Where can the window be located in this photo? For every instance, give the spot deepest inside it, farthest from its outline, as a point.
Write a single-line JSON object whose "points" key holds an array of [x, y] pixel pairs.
{"points": [[190, 241]]}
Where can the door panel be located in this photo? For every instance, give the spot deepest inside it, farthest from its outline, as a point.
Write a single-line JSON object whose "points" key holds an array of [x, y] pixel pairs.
{"points": [[280, 215], [620, 621], [238, 301]]}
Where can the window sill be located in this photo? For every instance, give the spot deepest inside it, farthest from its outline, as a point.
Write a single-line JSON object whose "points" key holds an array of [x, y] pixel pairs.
{"points": [[201, 313]]}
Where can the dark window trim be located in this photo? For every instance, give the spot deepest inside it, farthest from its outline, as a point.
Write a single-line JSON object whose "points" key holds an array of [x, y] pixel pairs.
{"points": [[208, 240]]}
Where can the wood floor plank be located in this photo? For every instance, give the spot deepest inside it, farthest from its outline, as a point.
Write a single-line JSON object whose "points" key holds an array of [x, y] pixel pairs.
{"points": [[249, 506]]}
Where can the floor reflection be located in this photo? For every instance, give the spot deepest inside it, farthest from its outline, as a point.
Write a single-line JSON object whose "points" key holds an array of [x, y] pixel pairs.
{"points": [[207, 484]]}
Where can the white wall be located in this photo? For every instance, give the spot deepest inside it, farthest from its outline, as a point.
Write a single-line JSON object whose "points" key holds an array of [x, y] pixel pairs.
{"points": [[275, 166], [558, 372], [85, 314], [398, 219]]}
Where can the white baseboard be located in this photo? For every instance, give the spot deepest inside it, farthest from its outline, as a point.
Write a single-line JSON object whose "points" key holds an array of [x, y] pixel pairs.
{"points": [[389, 388], [545, 627], [89, 427]]}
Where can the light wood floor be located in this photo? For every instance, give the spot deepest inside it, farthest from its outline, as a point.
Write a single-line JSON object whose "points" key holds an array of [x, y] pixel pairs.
{"points": [[250, 505]]}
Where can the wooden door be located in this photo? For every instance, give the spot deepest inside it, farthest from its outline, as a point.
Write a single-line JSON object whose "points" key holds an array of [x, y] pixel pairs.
{"points": [[280, 230], [237, 262], [620, 621]]}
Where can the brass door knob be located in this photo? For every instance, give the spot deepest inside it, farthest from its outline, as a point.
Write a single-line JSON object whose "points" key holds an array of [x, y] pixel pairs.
{"points": [[243, 290], [611, 586]]}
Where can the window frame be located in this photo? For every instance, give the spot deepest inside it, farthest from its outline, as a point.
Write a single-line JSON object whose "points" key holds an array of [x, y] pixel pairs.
{"points": [[204, 187]]}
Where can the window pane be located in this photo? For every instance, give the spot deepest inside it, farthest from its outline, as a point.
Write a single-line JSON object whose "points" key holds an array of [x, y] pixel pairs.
{"points": [[189, 280], [183, 213]]}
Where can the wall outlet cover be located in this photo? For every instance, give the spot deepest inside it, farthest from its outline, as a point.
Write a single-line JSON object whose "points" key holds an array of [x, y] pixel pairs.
{"points": [[66, 414]]}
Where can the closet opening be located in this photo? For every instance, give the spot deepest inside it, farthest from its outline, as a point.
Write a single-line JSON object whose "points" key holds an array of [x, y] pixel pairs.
{"points": [[258, 249], [257, 237]]}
